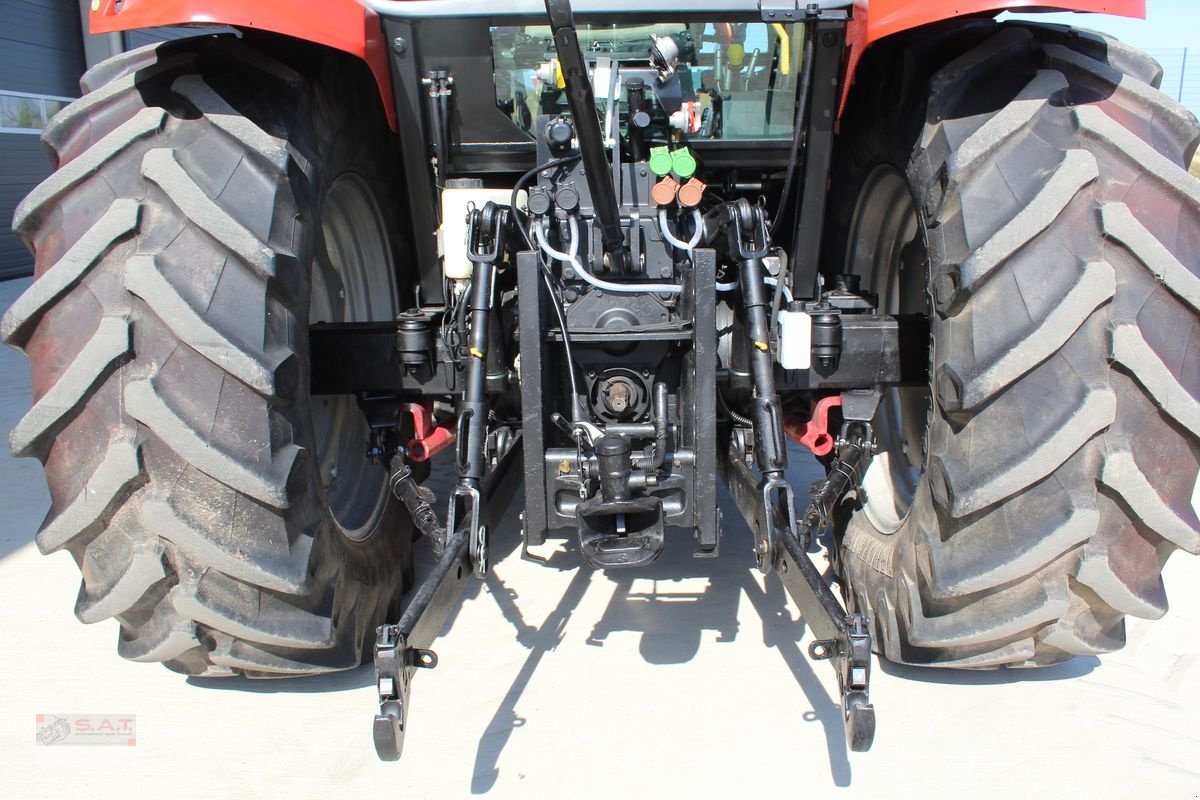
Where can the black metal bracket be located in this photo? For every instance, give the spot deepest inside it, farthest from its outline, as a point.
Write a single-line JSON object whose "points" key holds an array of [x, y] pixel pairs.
{"points": [[796, 10], [403, 647], [485, 246], [842, 637], [826, 94]]}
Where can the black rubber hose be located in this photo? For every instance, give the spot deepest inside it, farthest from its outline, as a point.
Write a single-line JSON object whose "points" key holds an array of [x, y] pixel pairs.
{"points": [[547, 278], [733, 415]]}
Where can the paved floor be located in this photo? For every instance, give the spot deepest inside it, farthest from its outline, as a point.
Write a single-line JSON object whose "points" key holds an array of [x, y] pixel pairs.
{"points": [[688, 680]]}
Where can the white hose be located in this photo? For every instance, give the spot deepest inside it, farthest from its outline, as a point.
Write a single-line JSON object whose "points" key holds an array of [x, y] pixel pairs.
{"points": [[773, 282], [572, 257], [688, 246], [767, 279]]}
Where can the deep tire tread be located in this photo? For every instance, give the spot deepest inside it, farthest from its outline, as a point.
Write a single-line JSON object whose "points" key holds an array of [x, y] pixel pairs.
{"points": [[195, 521], [1067, 420]]}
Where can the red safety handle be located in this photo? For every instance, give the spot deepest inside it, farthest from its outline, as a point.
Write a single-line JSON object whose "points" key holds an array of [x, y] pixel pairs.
{"points": [[814, 433], [429, 438]]}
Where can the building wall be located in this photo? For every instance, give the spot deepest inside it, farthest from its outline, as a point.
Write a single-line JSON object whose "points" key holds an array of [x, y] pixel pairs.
{"points": [[42, 56], [41, 59]]}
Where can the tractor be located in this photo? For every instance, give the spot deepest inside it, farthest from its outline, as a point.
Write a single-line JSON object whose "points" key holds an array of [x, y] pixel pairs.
{"points": [[602, 258]]}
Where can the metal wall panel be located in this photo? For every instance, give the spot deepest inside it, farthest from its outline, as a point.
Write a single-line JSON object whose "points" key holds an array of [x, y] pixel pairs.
{"points": [[23, 163], [41, 52], [41, 47], [149, 35]]}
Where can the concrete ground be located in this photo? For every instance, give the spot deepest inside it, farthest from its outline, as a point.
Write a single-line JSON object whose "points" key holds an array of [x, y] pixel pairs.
{"points": [[686, 680]]}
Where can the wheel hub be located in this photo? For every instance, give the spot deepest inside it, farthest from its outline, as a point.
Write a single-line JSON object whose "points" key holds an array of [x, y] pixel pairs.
{"points": [[886, 250], [351, 281]]}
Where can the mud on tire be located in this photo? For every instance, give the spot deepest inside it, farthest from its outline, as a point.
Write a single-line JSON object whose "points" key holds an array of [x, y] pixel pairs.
{"points": [[167, 337], [1050, 182]]}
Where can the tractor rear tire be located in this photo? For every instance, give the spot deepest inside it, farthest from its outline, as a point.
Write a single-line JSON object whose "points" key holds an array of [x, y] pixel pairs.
{"points": [[1043, 211], [207, 196]]}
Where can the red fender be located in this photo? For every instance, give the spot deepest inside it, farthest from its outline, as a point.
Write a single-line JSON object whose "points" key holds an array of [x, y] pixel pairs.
{"points": [[876, 19], [344, 25], [350, 27]]}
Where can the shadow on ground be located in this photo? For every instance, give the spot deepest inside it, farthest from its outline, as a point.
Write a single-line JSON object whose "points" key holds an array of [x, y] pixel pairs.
{"points": [[672, 625], [672, 613], [1075, 668]]}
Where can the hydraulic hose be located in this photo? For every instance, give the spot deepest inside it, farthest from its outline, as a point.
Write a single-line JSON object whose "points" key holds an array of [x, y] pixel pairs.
{"points": [[572, 257], [679, 244], [689, 246], [546, 277]]}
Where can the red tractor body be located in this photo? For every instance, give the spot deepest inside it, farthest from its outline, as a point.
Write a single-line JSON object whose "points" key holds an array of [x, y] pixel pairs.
{"points": [[354, 28]]}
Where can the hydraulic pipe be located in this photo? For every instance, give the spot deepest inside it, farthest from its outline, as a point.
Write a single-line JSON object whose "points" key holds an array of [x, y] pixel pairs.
{"points": [[660, 426]]}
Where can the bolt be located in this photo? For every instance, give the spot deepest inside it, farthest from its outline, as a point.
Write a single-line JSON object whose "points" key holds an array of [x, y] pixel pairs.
{"points": [[399, 45]]}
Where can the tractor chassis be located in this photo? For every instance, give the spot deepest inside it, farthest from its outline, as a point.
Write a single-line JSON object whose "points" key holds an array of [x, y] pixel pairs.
{"points": [[844, 639], [619, 497]]}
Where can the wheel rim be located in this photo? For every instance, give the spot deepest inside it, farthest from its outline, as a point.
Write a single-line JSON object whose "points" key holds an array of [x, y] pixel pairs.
{"points": [[351, 281], [885, 251]]}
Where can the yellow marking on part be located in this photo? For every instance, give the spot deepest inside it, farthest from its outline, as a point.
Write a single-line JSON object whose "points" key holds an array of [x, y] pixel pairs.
{"points": [[1194, 169], [762, 346], [95, 5], [785, 48], [475, 351], [559, 80]]}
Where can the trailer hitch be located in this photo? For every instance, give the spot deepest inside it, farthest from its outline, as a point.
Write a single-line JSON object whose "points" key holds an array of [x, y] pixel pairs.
{"points": [[843, 638], [402, 648]]}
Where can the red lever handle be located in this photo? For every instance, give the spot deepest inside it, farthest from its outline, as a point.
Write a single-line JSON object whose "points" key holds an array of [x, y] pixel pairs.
{"points": [[814, 433]]}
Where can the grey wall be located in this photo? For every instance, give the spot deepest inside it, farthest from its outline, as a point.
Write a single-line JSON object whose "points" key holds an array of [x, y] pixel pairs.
{"points": [[41, 47], [149, 35], [41, 52], [23, 164]]}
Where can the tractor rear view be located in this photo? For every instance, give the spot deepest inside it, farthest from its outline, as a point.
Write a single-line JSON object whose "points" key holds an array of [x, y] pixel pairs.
{"points": [[602, 258]]}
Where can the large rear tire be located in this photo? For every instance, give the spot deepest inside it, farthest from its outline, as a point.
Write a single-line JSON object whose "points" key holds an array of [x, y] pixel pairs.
{"points": [[1026, 503], [209, 202]]}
